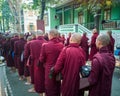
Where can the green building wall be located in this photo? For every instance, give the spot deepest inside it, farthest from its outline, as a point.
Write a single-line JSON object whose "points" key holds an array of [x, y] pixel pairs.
{"points": [[70, 16], [53, 21], [115, 13]]}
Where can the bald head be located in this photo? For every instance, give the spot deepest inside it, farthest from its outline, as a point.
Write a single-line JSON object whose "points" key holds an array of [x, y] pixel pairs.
{"points": [[39, 33], [75, 38], [21, 35], [94, 31], [109, 32], [84, 33], [102, 40], [53, 33]]}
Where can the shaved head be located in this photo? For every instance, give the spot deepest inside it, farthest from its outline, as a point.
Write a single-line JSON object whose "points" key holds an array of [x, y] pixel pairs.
{"points": [[53, 33], [104, 39], [75, 38], [21, 35], [39, 33]]}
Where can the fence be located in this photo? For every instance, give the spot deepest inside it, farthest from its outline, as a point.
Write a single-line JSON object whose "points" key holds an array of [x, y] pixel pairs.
{"points": [[73, 28]]}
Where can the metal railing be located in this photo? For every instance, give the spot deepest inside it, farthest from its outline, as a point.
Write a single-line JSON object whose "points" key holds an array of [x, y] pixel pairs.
{"points": [[90, 25], [111, 24], [73, 28], [5, 89]]}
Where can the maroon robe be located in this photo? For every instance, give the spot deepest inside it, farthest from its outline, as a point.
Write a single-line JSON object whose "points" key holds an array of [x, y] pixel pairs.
{"points": [[12, 42], [29, 68], [93, 50], [39, 72], [100, 78], [26, 56], [18, 49], [111, 44], [67, 42], [7, 54], [49, 54], [84, 45], [69, 62]]}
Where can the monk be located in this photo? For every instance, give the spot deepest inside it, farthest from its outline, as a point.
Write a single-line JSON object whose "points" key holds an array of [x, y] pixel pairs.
{"points": [[26, 57], [112, 42], [49, 54], [68, 38], [103, 64], [7, 52], [18, 51], [39, 72], [12, 42], [93, 50], [84, 45], [29, 66], [69, 62]]}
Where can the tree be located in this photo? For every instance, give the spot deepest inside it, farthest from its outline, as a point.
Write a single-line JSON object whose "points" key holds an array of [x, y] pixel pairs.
{"points": [[6, 15], [15, 7], [43, 4]]}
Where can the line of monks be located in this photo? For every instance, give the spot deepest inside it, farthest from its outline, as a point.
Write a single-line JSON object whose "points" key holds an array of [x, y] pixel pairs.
{"points": [[36, 56]]}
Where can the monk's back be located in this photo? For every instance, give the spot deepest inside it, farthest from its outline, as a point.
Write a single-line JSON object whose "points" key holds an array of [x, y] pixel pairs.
{"points": [[103, 65]]}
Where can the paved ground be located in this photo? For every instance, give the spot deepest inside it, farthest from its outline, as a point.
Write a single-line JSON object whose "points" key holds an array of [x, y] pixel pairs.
{"points": [[20, 89]]}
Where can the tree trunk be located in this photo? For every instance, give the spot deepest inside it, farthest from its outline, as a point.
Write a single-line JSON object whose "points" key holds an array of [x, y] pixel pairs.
{"points": [[97, 20], [3, 25], [0, 25], [43, 4]]}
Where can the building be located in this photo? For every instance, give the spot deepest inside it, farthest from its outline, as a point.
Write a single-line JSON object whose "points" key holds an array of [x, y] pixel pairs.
{"points": [[72, 13]]}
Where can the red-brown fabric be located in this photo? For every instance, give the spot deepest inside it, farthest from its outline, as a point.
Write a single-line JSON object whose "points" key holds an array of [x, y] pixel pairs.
{"points": [[69, 63], [93, 50], [49, 54], [26, 56], [39, 72], [7, 54], [100, 78], [67, 41], [84, 45], [18, 49], [111, 44], [12, 42]]}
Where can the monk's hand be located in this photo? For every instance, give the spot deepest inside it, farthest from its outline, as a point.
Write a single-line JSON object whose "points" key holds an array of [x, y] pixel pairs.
{"points": [[51, 73]]}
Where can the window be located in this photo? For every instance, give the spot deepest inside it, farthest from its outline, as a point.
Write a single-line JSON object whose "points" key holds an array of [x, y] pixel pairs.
{"points": [[107, 14], [80, 18], [31, 27]]}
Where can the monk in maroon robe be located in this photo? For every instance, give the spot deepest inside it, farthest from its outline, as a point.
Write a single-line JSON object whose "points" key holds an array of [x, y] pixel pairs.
{"points": [[68, 39], [49, 54], [29, 66], [103, 64], [39, 72], [69, 62], [12, 42], [112, 42], [93, 50], [7, 52], [84, 45], [26, 57], [19, 50]]}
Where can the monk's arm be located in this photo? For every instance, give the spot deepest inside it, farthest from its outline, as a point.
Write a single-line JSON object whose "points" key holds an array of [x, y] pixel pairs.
{"points": [[60, 61], [93, 41], [95, 71], [26, 50], [42, 57], [15, 48]]}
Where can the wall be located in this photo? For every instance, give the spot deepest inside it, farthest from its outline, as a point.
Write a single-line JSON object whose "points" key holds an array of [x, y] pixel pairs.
{"points": [[67, 17], [115, 13], [53, 21]]}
